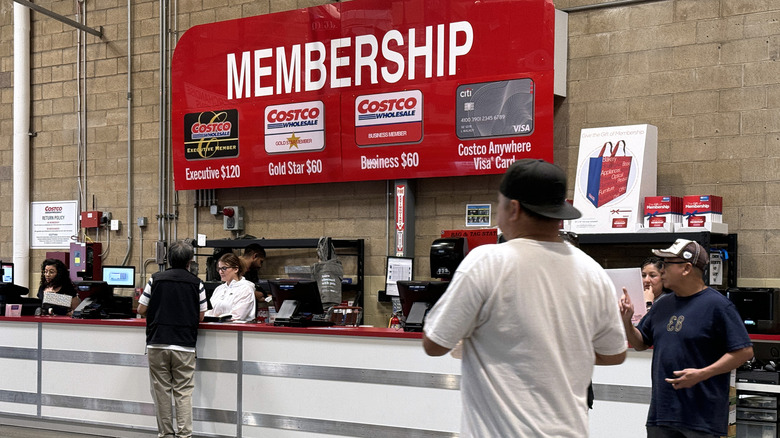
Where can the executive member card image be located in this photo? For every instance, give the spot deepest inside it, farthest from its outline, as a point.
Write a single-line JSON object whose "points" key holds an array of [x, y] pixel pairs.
{"points": [[495, 109]]}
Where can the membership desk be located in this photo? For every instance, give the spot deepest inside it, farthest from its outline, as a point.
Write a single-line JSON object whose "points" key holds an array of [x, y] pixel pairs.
{"points": [[252, 380]]}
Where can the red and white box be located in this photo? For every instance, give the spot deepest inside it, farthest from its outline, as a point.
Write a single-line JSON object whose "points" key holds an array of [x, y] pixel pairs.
{"points": [[701, 210], [662, 212], [620, 218]]}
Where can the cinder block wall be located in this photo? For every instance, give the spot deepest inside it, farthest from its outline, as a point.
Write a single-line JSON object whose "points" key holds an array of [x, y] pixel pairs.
{"points": [[704, 72]]}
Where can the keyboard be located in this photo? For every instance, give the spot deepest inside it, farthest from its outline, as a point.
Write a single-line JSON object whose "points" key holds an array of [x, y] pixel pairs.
{"points": [[321, 320], [305, 321], [220, 318]]}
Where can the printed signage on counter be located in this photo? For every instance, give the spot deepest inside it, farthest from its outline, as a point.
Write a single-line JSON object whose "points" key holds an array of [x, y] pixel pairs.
{"points": [[364, 90]]}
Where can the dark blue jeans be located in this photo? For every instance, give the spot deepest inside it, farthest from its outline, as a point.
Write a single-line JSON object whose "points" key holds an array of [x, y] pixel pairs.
{"points": [[676, 432]]}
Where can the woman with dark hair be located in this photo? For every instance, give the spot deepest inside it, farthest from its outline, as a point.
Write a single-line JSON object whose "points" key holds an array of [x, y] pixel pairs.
{"points": [[236, 296], [55, 278], [651, 280]]}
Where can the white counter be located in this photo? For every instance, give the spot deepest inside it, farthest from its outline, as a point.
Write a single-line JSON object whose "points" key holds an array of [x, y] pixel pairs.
{"points": [[256, 380], [251, 380]]}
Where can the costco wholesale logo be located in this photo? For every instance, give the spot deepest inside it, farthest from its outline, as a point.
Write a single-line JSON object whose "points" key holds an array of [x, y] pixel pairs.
{"points": [[388, 118], [211, 134], [296, 127], [50, 209]]}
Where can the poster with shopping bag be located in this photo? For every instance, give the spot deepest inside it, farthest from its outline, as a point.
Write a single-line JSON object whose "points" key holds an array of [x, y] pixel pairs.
{"points": [[608, 175], [616, 169]]}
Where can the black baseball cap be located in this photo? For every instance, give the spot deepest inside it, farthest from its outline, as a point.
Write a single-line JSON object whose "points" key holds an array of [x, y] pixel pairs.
{"points": [[539, 187]]}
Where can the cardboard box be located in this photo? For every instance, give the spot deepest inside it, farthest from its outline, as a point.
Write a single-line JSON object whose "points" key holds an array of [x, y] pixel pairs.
{"points": [[698, 210], [712, 227], [663, 212], [616, 170]]}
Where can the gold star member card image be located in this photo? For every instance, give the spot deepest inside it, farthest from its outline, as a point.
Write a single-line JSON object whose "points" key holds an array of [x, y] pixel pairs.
{"points": [[295, 127]]}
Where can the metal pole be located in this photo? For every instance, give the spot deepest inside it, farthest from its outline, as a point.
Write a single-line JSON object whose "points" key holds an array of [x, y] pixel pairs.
{"points": [[612, 4], [66, 20]]}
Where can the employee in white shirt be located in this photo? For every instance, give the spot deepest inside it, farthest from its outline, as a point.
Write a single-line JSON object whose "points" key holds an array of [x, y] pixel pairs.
{"points": [[236, 296]]}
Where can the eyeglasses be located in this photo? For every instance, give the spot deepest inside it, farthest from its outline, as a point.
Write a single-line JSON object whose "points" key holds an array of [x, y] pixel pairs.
{"points": [[225, 268]]}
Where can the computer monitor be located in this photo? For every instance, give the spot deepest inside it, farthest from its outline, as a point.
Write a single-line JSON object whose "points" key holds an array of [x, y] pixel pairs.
{"points": [[97, 291], [119, 276], [210, 287], [417, 297], [296, 300], [7, 269], [13, 294], [98, 301]]}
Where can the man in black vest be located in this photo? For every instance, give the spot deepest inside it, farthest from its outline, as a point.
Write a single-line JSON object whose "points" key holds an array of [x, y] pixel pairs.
{"points": [[174, 302]]}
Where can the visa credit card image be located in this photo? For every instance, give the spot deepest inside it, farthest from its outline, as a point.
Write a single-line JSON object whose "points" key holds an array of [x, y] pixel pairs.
{"points": [[495, 109]]}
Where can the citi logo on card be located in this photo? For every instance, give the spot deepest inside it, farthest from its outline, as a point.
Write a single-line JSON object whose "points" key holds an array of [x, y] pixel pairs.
{"points": [[495, 109], [389, 118]]}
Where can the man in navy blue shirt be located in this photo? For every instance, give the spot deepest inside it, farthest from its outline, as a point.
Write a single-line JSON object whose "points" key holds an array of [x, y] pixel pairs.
{"points": [[697, 337]]}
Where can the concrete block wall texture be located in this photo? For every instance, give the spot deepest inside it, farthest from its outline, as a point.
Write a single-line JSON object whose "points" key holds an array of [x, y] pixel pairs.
{"points": [[704, 72]]}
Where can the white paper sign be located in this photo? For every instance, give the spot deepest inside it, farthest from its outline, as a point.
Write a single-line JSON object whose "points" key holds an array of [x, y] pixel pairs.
{"points": [[54, 224], [631, 279], [398, 269]]}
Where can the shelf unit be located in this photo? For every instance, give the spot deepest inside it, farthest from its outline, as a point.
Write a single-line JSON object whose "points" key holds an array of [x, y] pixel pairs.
{"points": [[344, 247], [620, 245]]}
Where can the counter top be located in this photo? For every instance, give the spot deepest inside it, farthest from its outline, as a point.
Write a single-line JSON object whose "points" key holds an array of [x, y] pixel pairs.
{"points": [[759, 337], [375, 332]]}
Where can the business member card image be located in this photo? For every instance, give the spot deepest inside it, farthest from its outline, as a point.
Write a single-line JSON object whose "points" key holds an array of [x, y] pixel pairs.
{"points": [[495, 109]]}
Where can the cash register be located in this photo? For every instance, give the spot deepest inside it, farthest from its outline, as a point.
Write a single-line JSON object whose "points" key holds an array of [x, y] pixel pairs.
{"points": [[298, 302], [11, 293], [418, 297]]}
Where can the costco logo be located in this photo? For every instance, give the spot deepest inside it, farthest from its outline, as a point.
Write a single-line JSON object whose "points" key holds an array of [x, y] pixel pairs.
{"points": [[389, 118], [386, 109], [295, 127], [293, 118], [207, 130]]}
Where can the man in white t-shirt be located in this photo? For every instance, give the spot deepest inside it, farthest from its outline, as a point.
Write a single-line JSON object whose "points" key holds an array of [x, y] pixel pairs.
{"points": [[534, 313]]}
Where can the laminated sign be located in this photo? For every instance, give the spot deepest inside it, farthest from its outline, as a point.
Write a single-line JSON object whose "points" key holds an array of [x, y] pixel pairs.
{"points": [[611, 184], [608, 176]]}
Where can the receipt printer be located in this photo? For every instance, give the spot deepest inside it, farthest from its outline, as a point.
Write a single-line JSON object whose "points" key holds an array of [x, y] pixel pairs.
{"points": [[446, 255], [758, 307]]}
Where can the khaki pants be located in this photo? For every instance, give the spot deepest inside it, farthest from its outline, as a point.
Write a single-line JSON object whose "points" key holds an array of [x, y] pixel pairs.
{"points": [[171, 375]]}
